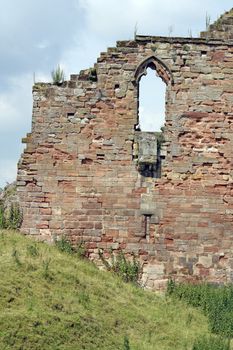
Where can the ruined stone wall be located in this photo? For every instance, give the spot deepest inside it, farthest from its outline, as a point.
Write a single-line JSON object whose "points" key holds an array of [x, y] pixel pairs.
{"points": [[80, 173]]}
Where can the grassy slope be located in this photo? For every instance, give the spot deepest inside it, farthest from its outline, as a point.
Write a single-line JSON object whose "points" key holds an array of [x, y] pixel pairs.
{"points": [[52, 300]]}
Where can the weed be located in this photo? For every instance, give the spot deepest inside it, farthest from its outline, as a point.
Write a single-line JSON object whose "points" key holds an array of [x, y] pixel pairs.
{"points": [[81, 250], [126, 345], [190, 34], [128, 270], [33, 250], [171, 285], [92, 76], [186, 47], [15, 256], [58, 75], [135, 30], [14, 218], [207, 21], [170, 30], [11, 218], [64, 245], [46, 272]]}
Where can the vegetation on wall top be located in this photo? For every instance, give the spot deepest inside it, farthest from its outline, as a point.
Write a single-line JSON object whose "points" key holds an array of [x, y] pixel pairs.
{"points": [[58, 75]]}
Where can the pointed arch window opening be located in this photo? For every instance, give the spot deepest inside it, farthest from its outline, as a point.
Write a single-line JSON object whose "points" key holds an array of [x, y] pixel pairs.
{"points": [[149, 139], [151, 101]]}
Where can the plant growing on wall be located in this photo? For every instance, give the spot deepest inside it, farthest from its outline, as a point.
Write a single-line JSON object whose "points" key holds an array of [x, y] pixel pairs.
{"points": [[207, 21], [92, 76], [58, 75], [128, 270]]}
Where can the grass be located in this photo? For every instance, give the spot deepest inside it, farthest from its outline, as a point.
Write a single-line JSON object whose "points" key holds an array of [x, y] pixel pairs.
{"points": [[211, 343], [54, 300]]}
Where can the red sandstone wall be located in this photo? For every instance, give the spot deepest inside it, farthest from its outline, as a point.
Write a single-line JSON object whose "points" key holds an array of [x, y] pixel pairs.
{"points": [[77, 176]]}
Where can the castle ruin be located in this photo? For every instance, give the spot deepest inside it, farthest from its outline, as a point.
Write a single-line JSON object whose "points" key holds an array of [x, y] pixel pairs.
{"points": [[87, 172]]}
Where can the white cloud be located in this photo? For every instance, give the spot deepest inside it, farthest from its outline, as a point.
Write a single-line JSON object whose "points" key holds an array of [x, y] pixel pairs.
{"points": [[36, 35], [117, 18]]}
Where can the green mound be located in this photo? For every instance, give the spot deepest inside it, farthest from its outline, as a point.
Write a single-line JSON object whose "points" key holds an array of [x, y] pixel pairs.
{"points": [[54, 300]]}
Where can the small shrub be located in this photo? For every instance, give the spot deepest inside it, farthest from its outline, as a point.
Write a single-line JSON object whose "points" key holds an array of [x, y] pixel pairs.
{"points": [[64, 245], [58, 75], [81, 250], [10, 218], [128, 270], [14, 217], [211, 343], [186, 47]]}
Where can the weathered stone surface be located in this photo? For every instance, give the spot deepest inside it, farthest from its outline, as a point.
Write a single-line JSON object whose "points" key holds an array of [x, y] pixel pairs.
{"points": [[147, 146], [80, 174]]}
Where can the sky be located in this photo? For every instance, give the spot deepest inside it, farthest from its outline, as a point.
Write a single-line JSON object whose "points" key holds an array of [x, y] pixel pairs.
{"points": [[36, 36]]}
